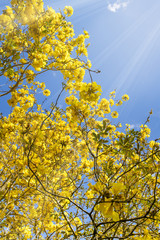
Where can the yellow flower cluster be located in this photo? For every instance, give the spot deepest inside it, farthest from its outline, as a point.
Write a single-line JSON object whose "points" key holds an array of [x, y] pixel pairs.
{"points": [[39, 60], [46, 92], [48, 156], [145, 131], [68, 11], [90, 92], [104, 105]]}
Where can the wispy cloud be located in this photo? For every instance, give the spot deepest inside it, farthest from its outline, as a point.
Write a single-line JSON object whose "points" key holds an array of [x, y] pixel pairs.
{"points": [[134, 126], [114, 7]]}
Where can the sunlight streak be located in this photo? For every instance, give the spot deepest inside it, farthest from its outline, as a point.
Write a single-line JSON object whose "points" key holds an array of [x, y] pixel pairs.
{"points": [[108, 51], [128, 74]]}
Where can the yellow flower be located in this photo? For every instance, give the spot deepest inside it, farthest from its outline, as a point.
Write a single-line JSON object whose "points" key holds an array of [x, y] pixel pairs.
{"points": [[111, 102], [125, 97], [68, 11], [86, 34], [46, 92], [114, 114], [23, 61], [151, 144], [46, 48], [119, 103], [104, 105], [89, 64], [112, 94], [14, 147], [12, 102]]}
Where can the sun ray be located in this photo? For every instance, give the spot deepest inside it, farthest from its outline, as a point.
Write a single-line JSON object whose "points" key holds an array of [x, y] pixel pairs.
{"points": [[108, 51], [128, 74], [93, 8]]}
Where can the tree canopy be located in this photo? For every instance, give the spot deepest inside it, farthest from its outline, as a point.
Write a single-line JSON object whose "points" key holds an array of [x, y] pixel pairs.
{"points": [[68, 172]]}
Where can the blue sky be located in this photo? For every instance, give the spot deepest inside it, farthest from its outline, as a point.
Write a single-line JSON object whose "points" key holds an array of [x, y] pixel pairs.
{"points": [[125, 47]]}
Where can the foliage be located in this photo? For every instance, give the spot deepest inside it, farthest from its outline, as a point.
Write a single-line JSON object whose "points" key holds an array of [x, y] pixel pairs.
{"points": [[67, 173]]}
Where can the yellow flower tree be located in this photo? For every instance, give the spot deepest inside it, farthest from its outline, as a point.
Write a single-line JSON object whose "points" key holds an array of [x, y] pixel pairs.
{"points": [[67, 173]]}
